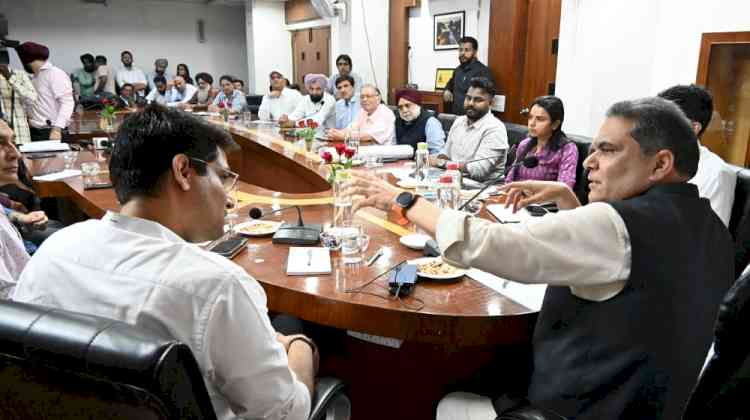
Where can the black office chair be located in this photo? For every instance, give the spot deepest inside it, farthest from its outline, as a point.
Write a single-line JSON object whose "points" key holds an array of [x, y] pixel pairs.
{"points": [[57, 364], [253, 103], [447, 120]]}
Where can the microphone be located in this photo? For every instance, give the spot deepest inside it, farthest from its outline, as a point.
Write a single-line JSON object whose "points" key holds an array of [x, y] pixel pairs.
{"points": [[291, 234], [527, 162]]}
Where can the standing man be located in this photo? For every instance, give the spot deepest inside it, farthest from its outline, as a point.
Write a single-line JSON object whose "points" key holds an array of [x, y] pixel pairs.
{"points": [[344, 66], [348, 106], [469, 68], [50, 114], [476, 135], [318, 105], [280, 101], [160, 69], [105, 77], [16, 89], [131, 74], [84, 79], [181, 93]]}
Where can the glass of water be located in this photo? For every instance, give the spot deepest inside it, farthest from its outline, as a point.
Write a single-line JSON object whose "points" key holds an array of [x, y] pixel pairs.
{"points": [[69, 158], [354, 242], [352, 141], [89, 170]]}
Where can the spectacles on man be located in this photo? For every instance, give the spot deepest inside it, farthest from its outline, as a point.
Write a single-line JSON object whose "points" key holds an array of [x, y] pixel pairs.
{"points": [[363, 96], [227, 177]]}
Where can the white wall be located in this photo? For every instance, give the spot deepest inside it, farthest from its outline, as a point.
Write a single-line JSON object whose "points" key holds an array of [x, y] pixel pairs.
{"points": [[624, 49], [271, 44], [374, 15], [424, 61], [150, 29]]}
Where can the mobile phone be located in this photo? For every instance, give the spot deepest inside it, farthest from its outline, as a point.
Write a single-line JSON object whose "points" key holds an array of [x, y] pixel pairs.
{"points": [[230, 247]]}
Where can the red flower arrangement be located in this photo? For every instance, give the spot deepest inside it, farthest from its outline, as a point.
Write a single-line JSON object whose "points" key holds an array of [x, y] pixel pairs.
{"points": [[306, 129], [343, 160]]}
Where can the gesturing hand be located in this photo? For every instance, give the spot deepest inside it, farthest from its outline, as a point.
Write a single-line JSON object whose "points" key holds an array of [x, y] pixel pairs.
{"points": [[371, 191], [523, 193]]}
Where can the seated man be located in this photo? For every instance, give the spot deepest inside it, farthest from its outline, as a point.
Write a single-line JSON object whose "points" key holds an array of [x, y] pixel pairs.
{"points": [[415, 124], [347, 107], [375, 122], [127, 97], [229, 97], [160, 94], [181, 93], [142, 266], [239, 84], [206, 92], [477, 135], [318, 105], [279, 101], [715, 179], [634, 278]]}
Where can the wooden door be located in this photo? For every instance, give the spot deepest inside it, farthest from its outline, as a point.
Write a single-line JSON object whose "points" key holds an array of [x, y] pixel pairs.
{"points": [[540, 64], [311, 49]]}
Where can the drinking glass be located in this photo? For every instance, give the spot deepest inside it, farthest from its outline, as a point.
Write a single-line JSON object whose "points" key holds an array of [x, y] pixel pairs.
{"points": [[70, 157], [373, 162], [231, 215], [354, 242], [352, 141], [90, 171]]}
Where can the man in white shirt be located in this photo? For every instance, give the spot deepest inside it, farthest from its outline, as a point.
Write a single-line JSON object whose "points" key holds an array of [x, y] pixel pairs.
{"points": [[318, 106], [181, 93], [160, 69], [131, 74], [104, 75], [142, 266], [280, 101], [715, 179], [159, 95]]}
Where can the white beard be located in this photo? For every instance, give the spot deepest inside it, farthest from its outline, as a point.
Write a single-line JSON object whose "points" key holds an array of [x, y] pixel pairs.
{"points": [[411, 116]]}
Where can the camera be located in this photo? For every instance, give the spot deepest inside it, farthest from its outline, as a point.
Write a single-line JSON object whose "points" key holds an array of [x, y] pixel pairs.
{"points": [[5, 42]]}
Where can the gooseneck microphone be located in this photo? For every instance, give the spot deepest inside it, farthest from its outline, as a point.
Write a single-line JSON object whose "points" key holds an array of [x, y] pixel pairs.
{"points": [[256, 213], [527, 162], [291, 234]]}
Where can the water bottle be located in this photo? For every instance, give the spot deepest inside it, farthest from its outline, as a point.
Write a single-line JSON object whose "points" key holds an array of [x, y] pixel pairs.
{"points": [[448, 194], [422, 162], [452, 170]]}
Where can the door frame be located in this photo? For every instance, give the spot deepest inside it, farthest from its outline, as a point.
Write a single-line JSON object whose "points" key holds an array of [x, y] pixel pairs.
{"points": [[294, 55]]}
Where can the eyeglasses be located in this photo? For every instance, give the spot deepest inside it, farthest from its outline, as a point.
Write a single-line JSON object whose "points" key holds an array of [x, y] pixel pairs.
{"points": [[363, 96], [227, 177]]}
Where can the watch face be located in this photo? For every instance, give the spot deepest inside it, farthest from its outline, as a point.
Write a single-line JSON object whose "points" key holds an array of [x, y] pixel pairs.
{"points": [[405, 199]]}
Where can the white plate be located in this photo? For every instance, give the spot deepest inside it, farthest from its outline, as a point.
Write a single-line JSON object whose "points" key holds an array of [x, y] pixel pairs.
{"points": [[458, 272], [414, 241], [269, 228]]}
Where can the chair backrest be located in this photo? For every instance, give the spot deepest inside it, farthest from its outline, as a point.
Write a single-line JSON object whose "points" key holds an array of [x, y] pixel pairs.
{"points": [[65, 365], [739, 221], [723, 387], [447, 120]]}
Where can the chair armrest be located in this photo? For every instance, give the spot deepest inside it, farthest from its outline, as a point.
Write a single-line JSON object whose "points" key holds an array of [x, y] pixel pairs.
{"points": [[329, 396], [530, 412]]}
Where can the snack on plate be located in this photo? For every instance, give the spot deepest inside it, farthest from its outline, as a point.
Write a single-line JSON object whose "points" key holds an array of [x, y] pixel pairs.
{"points": [[436, 268], [258, 228]]}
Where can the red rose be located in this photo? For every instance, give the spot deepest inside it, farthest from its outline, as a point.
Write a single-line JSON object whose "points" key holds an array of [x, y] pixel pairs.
{"points": [[310, 122], [327, 156], [105, 101], [349, 152], [340, 147], [301, 124], [221, 105]]}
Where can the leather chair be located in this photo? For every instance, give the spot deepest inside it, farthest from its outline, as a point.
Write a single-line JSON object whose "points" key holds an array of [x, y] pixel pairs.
{"points": [[447, 120], [253, 103], [739, 221], [67, 365]]}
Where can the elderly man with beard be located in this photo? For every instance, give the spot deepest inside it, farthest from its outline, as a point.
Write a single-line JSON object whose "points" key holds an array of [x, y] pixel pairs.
{"points": [[318, 105], [415, 124]]}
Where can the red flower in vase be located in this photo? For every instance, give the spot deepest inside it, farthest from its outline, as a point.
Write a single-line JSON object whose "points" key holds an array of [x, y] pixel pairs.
{"points": [[311, 123], [340, 147], [301, 123], [105, 101], [222, 105], [327, 157], [349, 152]]}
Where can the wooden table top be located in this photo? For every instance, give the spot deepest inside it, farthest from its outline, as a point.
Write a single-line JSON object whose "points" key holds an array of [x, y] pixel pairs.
{"points": [[465, 313]]}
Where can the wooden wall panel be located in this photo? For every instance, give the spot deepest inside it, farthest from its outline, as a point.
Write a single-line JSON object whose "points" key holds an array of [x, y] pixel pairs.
{"points": [[507, 45], [299, 11], [540, 64], [398, 44]]}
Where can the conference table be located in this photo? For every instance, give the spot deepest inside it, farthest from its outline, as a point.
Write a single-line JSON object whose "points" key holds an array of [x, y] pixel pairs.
{"points": [[398, 357]]}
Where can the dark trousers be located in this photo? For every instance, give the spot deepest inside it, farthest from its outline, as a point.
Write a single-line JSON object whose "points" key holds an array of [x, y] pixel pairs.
{"points": [[40, 134]]}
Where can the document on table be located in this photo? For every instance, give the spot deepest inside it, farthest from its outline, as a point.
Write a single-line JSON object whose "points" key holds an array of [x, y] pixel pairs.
{"points": [[303, 261], [507, 215], [44, 146], [67, 173], [528, 295]]}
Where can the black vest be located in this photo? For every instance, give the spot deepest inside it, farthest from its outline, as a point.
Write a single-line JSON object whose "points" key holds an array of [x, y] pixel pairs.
{"points": [[414, 132], [638, 354]]}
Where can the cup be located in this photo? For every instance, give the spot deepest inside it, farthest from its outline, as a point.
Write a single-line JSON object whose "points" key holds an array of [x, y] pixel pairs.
{"points": [[352, 142], [373, 162], [90, 170], [69, 158], [354, 242]]}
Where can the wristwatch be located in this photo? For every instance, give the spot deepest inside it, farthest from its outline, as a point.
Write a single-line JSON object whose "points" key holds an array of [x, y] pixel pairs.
{"points": [[403, 203], [440, 163]]}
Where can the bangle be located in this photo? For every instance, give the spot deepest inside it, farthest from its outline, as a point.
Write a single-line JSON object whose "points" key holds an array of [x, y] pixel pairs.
{"points": [[308, 341]]}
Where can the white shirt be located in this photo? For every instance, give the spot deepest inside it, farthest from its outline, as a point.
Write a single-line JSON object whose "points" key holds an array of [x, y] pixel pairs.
{"points": [[132, 76], [272, 108], [715, 181], [13, 255], [539, 250], [323, 112], [151, 75], [140, 272], [155, 96], [175, 97], [105, 71]]}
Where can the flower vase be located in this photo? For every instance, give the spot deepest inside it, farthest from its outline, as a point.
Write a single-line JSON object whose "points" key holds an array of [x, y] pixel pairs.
{"points": [[342, 204], [225, 114], [107, 123], [309, 143]]}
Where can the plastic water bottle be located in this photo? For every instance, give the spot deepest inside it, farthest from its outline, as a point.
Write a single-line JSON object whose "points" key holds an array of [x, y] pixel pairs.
{"points": [[448, 194], [452, 170], [422, 161]]}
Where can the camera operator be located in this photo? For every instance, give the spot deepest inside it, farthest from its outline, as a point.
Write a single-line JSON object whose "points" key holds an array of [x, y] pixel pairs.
{"points": [[15, 90], [50, 113]]}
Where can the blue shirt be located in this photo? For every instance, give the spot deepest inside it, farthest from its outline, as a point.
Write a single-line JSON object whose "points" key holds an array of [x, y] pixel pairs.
{"points": [[235, 103], [435, 135], [345, 114]]}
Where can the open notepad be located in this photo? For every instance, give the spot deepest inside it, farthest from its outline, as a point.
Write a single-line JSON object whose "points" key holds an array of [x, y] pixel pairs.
{"points": [[304, 261]]}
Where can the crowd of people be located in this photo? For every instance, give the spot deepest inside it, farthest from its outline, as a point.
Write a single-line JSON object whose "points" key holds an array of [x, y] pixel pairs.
{"points": [[635, 276]]}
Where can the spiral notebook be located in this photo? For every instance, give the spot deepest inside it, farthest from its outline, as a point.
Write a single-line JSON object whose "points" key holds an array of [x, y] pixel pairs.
{"points": [[305, 261]]}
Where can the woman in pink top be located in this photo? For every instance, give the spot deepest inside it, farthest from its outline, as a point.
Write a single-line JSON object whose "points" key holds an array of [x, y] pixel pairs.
{"points": [[558, 156]]}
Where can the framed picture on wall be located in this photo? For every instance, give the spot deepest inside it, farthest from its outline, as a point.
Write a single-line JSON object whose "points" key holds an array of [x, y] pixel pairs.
{"points": [[448, 29], [442, 76]]}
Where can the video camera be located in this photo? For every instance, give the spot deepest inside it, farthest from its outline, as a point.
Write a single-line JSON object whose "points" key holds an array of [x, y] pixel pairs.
{"points": [[5, 42]]}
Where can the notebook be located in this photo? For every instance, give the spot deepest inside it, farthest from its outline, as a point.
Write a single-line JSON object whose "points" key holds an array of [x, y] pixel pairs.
{"points": [[303, 261], [44, 146]]}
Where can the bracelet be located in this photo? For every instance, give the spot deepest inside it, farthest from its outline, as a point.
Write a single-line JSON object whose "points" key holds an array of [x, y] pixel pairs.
{"points": [[308, 341]]}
